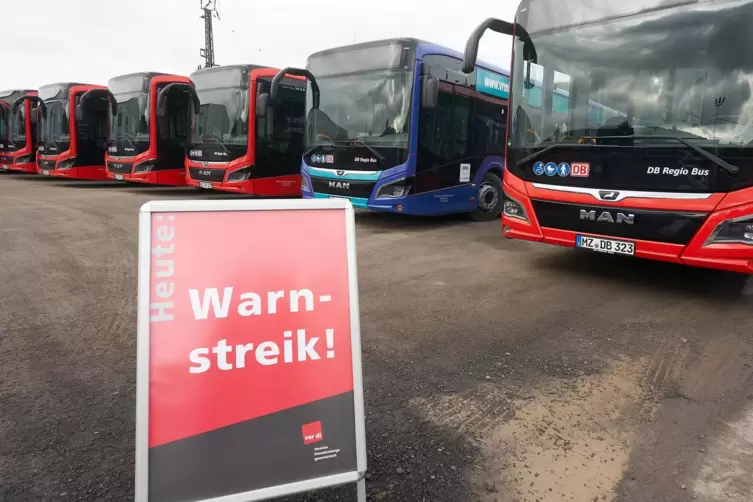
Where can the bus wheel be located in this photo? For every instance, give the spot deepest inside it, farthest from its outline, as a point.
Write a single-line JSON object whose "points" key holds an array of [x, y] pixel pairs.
{"points": [[489, 199]]}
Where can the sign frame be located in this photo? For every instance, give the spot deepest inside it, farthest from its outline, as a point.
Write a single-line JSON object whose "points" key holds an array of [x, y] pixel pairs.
{"points": [[143, 341]]}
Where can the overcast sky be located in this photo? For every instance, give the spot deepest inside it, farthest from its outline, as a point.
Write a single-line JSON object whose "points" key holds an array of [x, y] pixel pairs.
{"points": [[90, 41]]}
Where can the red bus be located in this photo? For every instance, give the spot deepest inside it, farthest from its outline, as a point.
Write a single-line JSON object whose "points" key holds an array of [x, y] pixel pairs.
{"points": [[18, 132], [147, 144], [641, 149], [241, 141], [73, 130]]}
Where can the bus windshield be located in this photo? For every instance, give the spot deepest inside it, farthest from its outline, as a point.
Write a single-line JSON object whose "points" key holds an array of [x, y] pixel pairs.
{"points": [[55, 127], [372, 107], [663, 70], [223, 116], [131, 124], [365, 95], [223, 112]]}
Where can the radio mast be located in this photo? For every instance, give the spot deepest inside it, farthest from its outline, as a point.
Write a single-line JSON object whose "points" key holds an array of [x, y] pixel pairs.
{"points": [[209, 10]]}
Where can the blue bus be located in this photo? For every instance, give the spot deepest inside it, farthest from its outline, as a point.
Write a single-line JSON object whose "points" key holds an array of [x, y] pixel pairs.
{"points": [[396, 126]]}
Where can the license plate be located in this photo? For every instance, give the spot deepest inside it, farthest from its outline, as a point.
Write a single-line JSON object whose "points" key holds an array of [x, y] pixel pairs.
{"points": [[119, 177], [45, 172], [205, 184], [4, 167], [610, 246]]}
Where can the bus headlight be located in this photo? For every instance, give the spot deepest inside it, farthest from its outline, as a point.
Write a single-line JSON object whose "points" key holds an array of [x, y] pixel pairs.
{"points": [[735, 231], [67, 163], [514, 209], [22, 159], [240, 175], [399, 188], [144, 167]]}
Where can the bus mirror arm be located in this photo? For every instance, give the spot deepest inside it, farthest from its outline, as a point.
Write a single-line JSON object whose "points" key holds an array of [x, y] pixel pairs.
{"points": [[113, 103], [300, 72], [36, 99], [93, 93], [494, 24], [163, 94]]}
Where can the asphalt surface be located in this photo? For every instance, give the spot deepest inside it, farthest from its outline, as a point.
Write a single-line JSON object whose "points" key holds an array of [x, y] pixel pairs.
{"points": [[494, 369]]}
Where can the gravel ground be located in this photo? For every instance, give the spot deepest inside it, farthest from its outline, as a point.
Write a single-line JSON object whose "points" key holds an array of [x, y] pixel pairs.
{"points": [[494, 370]]}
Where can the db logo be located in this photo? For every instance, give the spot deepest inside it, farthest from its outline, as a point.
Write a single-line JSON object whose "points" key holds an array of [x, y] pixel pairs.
{"points": [[312, 433], [580, 169]]}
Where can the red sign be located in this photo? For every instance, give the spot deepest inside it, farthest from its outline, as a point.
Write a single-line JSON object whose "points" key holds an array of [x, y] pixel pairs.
{"points": [[250, 316], [580, 169]]}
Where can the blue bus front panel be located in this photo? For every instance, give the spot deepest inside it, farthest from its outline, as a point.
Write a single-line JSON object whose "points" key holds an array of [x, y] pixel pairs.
{"points": [[365, 189]]}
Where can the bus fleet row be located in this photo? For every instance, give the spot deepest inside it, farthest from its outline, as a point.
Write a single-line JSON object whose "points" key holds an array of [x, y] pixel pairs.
{"points": [[629, 129], [393, 125]]}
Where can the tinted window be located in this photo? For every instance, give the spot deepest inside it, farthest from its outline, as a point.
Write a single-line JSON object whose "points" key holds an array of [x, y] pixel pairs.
{"points": [[279, 135], [489, 128]]}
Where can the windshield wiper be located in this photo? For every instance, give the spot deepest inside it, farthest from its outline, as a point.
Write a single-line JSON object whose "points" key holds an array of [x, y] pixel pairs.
{"points": [[129, 138], [350, 142], [732, 169], [216, 139], [369, 147]]}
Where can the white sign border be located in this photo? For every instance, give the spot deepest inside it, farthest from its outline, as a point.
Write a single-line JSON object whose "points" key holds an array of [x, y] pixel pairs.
{"points": [[142, 351]]}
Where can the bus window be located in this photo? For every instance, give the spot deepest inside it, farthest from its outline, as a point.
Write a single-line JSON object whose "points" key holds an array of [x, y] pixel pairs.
{"points": [[462, 111], [489, 128]]}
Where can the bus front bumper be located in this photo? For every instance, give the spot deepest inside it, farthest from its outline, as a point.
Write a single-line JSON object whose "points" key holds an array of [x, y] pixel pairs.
{"points": [[700, 251], [91, 173], [168, 177]]}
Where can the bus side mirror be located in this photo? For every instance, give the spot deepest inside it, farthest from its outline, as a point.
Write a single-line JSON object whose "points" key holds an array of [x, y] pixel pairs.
{"points": [[503, 27], [429, 92], [262, 103]]}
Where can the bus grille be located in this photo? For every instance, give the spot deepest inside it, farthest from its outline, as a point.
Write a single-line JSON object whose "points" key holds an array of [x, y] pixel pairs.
{"points": [[206, 174], [345, 188], [648, 225], [47, 165], [119, 167]]}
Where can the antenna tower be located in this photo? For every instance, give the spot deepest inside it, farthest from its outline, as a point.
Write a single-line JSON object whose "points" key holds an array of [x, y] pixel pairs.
{"points": [[209, 10]]}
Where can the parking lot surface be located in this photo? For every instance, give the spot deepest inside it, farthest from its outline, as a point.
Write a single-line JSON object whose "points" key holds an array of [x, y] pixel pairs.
{"points": [[494, 370]]}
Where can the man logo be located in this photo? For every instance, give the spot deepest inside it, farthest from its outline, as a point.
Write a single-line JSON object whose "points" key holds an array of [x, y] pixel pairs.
{"points": [[340, 173], [607, 195], [205, 172], [607, 217], [339, 184]]}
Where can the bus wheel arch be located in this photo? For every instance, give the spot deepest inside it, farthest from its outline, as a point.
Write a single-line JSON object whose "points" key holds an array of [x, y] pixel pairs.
{"points": [[489, 197]]}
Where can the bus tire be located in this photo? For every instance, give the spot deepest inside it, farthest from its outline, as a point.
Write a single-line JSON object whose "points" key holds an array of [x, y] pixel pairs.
{"points": [[489, 199]]}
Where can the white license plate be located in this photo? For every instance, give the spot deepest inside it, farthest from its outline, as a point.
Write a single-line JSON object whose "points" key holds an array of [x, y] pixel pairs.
{"points": [[4, 167], [45, 172], [119, 177], [610, 246], [205, 184]]}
